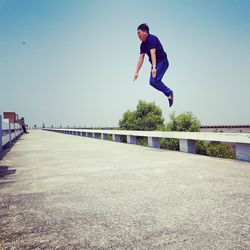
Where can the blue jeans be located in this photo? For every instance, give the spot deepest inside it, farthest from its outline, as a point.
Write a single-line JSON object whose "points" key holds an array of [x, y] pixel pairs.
{"points": [[161, 68]]}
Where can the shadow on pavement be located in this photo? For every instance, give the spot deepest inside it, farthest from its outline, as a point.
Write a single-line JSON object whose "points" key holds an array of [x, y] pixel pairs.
{"points": [[4, 170], [8, 147]]}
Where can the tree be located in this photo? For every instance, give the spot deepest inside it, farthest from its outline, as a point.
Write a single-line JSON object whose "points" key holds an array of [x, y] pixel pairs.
{"points": [[184, 122], [147, 116]]}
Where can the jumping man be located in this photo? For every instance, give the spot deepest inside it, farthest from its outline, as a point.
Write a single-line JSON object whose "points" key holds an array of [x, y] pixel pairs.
{"points": [[151, 45]]}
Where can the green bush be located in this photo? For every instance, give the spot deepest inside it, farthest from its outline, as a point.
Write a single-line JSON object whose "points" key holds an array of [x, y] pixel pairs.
{"points": [[123, 138], [201, 148], [215, 149], [143, 141], [184, 122], [171, 144], [147, 116], [221, 150]]}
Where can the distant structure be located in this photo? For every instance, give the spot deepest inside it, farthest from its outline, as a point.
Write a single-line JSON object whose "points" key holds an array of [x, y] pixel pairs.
{"points": [[226, 128], [12, 116]]}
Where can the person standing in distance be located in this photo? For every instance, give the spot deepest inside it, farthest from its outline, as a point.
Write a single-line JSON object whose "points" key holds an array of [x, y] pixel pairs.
{"points": [[151, 46]]}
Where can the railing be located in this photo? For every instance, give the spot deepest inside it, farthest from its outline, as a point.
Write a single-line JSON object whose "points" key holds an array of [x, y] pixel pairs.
{"points": [[186, 139], [8, 132]]}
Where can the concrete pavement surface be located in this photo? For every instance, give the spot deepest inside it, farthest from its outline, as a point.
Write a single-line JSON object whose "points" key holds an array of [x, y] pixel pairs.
{"points": [[61, 191]]}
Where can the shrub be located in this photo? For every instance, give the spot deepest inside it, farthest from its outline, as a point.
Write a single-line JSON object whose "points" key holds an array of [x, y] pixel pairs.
{"points": [[221, 150], [147, 116], [184, 122]]}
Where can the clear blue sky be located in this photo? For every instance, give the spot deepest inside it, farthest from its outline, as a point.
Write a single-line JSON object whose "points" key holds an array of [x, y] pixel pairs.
{"points": [[78, 62]]}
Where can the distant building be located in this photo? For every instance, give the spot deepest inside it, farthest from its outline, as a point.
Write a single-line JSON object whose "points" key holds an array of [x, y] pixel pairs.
{"points": [[12, 116], [226, 128]]}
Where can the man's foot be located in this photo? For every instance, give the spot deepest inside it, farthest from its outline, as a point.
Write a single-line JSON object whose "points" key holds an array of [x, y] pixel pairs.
{"points": [[171, 99]]}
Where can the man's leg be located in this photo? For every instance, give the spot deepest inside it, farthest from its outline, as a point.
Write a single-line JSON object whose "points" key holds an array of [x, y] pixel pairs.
{"points": [[24, 129], [156, 82]]}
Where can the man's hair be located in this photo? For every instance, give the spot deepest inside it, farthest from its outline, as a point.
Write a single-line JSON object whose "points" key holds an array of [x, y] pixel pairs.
{"points": [[143, 27]]}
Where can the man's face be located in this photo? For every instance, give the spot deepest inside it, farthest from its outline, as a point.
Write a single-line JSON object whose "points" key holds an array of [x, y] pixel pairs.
{"points": [[142, 35]]}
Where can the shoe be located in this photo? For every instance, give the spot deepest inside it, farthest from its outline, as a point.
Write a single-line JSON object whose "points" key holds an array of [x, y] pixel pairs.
{"points": [[171, 99]]}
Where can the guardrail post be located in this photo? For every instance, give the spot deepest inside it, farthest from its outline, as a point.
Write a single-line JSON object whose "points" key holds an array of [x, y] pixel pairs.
{"points": [[14, 130], [10, 130], [116, 138], [131, 139], [187, 146], [96, 135], [242, 151], [104, 136], [1, 135], [154, 142], [89, 134]]}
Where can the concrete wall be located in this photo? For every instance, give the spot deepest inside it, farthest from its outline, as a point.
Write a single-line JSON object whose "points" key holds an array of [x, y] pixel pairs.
{"points": [[187, 140]]}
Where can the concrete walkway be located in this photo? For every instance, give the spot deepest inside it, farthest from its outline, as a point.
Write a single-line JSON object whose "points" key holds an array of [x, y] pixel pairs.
{"points": [[70, 192]]}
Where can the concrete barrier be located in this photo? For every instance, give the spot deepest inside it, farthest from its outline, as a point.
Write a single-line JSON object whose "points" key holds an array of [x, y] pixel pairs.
{"points": [[8, 132], [186, 139]]}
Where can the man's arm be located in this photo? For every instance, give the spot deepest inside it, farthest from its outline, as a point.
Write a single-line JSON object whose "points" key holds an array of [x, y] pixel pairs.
{"points": [[153, 57], [139, 64]]}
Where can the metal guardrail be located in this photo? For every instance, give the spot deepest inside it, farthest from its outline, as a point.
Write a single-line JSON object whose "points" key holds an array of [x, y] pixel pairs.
{"points": [[8, 132], [186, 139]]}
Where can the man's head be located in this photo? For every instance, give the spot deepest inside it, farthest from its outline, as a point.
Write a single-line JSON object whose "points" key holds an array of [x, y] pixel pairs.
{"points": [[143, 31]]}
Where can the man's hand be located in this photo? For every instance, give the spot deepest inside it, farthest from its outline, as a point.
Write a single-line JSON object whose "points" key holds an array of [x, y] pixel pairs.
{"points": [[153, 72], [138, 66], [136, 76]]}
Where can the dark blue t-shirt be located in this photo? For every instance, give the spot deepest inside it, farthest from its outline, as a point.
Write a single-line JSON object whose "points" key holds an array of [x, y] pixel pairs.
{"points": [[152, 42]]}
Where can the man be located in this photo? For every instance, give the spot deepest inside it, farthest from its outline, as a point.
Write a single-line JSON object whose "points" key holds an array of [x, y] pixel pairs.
{"points": [[23, 125], [151, 45]]}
